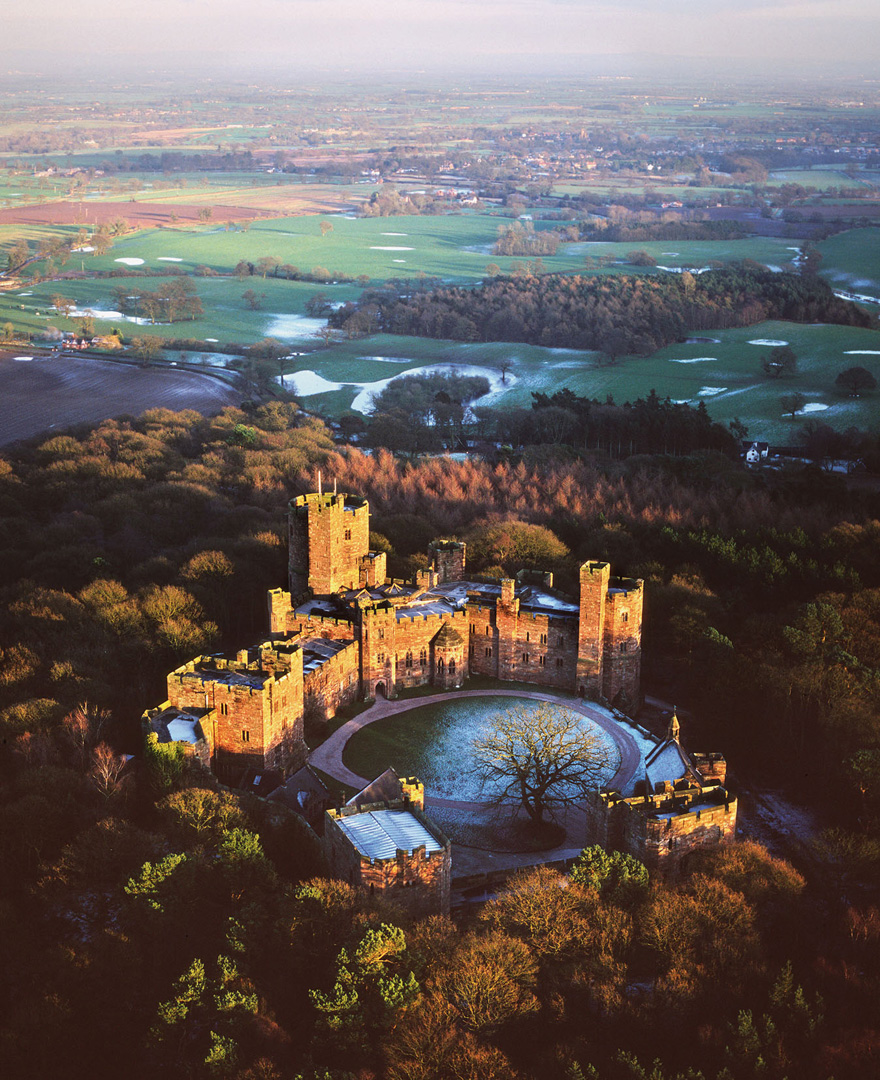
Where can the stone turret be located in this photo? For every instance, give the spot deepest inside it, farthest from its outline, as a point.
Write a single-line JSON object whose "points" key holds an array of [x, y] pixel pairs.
{"points": [[448, 649], [448, 559]]}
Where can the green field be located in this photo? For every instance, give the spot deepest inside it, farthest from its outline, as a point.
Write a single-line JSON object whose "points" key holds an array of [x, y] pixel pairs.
{"points": [[725, 375], [227, 317], [821, 178], [455, 248], [851, 260]]}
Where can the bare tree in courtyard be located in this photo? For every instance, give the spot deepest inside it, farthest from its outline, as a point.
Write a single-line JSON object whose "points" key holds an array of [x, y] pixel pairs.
{"points": [[542, 758]]}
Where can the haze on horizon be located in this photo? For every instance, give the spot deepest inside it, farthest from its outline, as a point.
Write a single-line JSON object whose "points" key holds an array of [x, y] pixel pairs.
{"points": [[337, 37]]}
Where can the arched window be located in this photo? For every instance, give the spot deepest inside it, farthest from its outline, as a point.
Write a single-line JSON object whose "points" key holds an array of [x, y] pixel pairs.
{"points": [[451, 666], [408, 660], [440, 664], [423, 658]]}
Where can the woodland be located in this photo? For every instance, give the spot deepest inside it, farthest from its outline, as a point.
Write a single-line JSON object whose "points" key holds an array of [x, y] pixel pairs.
{"points": [[619, 314], [157, 924]]}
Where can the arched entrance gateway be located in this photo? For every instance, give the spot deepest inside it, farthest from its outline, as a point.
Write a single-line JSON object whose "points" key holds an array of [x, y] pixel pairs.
{"points": [[381, 691]]}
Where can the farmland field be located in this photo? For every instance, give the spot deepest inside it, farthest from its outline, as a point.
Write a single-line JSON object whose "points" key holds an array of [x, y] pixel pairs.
{"points": [[456, 248], [38, 395]]}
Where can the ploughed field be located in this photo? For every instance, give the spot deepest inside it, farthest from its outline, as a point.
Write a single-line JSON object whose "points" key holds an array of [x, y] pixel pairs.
{"points": [[44, 394]]}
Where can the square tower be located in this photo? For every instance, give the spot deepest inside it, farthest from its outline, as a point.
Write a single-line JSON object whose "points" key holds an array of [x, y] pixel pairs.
{"points": [[329, 538]]}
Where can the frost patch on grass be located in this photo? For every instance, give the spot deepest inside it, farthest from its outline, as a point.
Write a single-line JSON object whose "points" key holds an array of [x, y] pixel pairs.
{"points": [[694, 360], [85, 247], [130, 261], [811, 407], [399, 260], [855, 352], [395, 234], [767, 341], [389, 247], [290, 327], [385, 359], [861, 298], [363, 402], [710, 391], [435, 742], [100, 313], [168, 258], [671, 254], [306, 383], [22, 359], [213, 340], [681, 269]]}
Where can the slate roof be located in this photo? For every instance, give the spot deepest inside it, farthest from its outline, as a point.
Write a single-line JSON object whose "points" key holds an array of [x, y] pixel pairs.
{"points": [[385, 788], [380, 834]]}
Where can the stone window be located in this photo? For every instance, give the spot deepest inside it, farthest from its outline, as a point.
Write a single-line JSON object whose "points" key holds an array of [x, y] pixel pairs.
{"points": [[473, 628], [528, 636], [380, 658], [623, 646], [560, 642], [543, 639], [559, 661], [525, 657], [489, 651], [245, 736], [423, 658], [441, 664], [452, 665], [487, 630], [624, 616], [541, 661], [348, 534], [471, 650], [224, 710], [408, 660], [381, 634]]}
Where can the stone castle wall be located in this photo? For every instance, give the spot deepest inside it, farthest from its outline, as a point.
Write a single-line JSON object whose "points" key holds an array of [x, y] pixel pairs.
{"points": [[661, 830], [527, 646], [335, 683]]}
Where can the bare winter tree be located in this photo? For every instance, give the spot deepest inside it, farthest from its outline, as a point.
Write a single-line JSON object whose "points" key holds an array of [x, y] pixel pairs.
{"points": [[82, 729], [541, 758], [107, 771]]}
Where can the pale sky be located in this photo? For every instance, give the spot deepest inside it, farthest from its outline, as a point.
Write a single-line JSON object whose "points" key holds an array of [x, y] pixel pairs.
{"points": [[435, 34]]}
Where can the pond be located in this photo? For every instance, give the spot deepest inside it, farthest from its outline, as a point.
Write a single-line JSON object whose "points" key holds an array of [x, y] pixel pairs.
{"points": [[433, 742]]}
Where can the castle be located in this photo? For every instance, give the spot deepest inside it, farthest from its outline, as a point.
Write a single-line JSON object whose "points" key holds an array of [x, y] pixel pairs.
{"points": [[344, 632]]}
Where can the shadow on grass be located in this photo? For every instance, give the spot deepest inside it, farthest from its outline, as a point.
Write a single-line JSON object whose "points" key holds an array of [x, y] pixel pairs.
{"points": [[497, 832]]}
